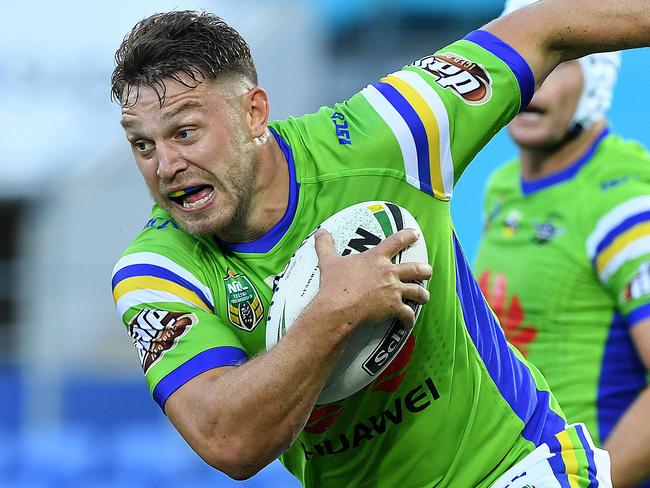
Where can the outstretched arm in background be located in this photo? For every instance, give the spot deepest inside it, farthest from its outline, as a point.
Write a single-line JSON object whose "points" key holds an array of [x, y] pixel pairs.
{"points": [[550, 32]]}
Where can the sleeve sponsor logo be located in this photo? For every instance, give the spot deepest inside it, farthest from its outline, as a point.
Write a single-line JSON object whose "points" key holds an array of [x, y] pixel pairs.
{"points": [[639, 286], [342, 128], [156, 331], [468, 80]]}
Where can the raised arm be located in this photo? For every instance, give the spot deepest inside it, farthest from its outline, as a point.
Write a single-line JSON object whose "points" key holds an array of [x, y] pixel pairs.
{"points": [[550, 32]]}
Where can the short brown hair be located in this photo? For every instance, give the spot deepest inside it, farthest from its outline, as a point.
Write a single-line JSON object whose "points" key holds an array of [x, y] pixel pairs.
{"points": [[165, 45]]}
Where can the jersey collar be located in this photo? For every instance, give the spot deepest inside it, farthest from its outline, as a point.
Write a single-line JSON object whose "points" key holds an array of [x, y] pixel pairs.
{"points": [[273, 236], [528, 187]]}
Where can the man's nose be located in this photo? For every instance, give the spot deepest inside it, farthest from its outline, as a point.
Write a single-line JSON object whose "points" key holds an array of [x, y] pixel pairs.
{"points": [[170, 161]]}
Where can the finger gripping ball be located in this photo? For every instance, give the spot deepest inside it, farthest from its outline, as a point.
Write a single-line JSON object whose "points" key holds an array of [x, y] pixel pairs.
{"points": [[371, 348]]}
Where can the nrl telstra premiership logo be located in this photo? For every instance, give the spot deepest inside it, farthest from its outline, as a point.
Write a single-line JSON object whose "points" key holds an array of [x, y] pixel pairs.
{"points": [[245, 308]]}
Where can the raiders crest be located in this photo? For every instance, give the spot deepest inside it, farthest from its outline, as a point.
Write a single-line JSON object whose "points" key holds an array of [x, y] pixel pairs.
{"points": [[155, 332], [245, 308]]}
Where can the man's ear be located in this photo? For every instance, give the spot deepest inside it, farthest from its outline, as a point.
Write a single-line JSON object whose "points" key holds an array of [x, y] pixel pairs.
{"points": [[257, 111]]}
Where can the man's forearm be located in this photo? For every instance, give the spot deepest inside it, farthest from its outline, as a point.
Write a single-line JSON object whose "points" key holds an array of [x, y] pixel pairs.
{"points": [[549, 32], [240, 419], [629, 444]]}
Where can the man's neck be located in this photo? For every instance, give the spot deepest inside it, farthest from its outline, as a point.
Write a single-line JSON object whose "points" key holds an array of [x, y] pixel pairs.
{"points": [[270, 194], [537, 163], [270, 197]]}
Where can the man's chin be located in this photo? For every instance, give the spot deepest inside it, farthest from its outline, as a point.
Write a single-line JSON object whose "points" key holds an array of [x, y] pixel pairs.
{"points": [[196, 225], [530, 139]]}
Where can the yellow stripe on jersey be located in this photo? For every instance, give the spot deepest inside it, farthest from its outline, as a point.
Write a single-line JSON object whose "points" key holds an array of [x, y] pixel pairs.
{"points": [[569, 458], [620, 244], [431, 127], [149, 283]]}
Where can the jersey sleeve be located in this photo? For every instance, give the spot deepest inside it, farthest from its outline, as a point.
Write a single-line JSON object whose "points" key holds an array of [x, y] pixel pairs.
{"points": [[168, 308], [619, 249], [444, 108]]}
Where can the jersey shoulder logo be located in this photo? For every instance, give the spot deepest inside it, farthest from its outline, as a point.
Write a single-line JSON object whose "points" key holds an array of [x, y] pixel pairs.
{"points": [[245, 307], [155, 332], [468, 80]]}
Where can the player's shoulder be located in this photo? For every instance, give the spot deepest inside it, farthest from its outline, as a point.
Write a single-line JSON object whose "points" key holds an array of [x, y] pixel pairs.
{"points": [[618, 160], [163, 244], [615, 189], [618, 172], [161, 231], [162, 264], [346, 138]]}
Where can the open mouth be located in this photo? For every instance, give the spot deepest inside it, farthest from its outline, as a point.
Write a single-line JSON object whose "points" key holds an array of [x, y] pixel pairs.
{"points": [[193, 196]]}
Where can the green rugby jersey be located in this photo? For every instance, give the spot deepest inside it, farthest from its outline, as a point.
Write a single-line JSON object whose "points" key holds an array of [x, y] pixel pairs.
{"points": [[457, 407], [565, 264]]}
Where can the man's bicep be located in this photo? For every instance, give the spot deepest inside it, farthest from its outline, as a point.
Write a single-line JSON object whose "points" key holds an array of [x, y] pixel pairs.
{"points": [[177, 346]]}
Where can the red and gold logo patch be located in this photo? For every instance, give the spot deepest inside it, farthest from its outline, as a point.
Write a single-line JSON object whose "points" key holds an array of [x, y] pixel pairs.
{"points": [[466, 79]]}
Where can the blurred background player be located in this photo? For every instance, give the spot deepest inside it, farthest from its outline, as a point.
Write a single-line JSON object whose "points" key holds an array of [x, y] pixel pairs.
{"points": [[565, 257]]}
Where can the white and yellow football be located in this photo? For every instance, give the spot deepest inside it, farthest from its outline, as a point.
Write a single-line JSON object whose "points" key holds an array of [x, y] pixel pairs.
{"points": [[370, 349]]}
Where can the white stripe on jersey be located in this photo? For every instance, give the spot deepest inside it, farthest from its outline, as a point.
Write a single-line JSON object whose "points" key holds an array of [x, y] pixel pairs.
{"points": [[613, 218], [163, 262], [141, 297], [438, 108], [634, 249], [402, 132]]}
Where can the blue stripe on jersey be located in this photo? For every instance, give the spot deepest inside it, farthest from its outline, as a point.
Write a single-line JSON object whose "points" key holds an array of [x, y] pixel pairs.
{"points": [[273, 236], [513, 379], [202, 362], [416, 126], [512, 58], [637, 315], [591, 462], [529, 187], [622, 377], [557, 463], [157, 272], [626, 225]]}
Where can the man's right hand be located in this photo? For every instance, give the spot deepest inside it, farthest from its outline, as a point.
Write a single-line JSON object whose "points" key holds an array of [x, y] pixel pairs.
{"points": [[368, 288]]}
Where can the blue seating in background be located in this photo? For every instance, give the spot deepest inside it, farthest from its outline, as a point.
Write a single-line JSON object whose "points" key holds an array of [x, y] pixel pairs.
{"points": [[134, 455]]}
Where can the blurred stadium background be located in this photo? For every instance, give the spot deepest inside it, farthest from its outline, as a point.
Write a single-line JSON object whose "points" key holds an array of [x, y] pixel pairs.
{"points": [[74, 407]]}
